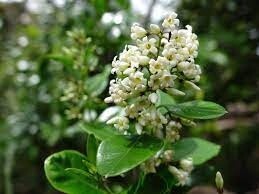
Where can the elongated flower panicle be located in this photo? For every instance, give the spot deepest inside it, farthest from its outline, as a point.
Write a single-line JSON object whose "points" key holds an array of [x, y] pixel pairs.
{"points": [[162, 58]]}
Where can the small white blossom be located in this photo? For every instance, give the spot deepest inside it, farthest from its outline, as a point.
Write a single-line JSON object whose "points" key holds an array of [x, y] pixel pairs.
{"points": [[155, 66], [149, 166], [167, 155], [139, 128], [167, 79], [153, 98], [154, 81], [137, 31], [170, 22], [170, 53], [120, 122], [187, 164], [154, 29], [148, 45], [181, 175]]}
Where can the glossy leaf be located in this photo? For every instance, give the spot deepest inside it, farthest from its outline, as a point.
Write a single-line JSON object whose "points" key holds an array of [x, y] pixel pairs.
{"points": [[164, 99], [96, 84], [198, 149], [101, 131], [122, 153], [77, 181], [197, 110], [92, 146]]}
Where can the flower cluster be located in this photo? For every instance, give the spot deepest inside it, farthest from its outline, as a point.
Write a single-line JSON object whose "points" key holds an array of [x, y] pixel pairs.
{"points": [[162, 58], [182, 174]]}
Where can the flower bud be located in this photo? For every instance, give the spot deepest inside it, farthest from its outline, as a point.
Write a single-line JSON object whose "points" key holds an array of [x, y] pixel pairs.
{"points": [[181, 175], [154, 29], [153, 97], [219, 181], [137, 31], [108, 100], [175, 92], [187, 164], [192, 85], [139, 128]]}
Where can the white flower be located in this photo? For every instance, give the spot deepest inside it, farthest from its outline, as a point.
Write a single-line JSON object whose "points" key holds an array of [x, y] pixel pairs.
{"points": [[120, 122], [143, 60], [173, 125], [170, 22], [108, 99], [181, 175], [131, 111], [172, 135], [139, 128], [168, 155], [187, 164], [170, 53], [154, 29], [149, 166], [167, 79], [147, 45], [119, 66], [183, 66], [154, 81], [153, 98], [192, 72], [138, 82], [137, 31], [158, 65]]}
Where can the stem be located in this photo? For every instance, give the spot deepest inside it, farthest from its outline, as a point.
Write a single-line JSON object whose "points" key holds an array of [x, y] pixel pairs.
{"points": [[220, 191], [150, 10], [159, 45], [8, 166], [107, 187]]}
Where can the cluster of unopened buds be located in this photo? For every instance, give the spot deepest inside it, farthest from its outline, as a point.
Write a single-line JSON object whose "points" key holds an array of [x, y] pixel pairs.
{"points": [[162, 58], [74, 92]]}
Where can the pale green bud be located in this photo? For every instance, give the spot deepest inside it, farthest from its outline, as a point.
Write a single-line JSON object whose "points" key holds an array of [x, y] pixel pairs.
{"points": [[175, 92], [191, 85], [219, 181], [154, 29]]}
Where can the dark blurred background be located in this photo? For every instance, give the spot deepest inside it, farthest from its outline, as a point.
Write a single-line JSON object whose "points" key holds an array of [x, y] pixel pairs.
{"points": [[34, 122]]}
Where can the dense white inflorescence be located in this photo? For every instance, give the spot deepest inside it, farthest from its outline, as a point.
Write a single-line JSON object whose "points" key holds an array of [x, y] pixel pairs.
{"points": [[160, 58]]}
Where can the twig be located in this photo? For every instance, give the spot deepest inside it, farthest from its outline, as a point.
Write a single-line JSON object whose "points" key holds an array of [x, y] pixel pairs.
{"points": [[8, 166], [149, 12]]}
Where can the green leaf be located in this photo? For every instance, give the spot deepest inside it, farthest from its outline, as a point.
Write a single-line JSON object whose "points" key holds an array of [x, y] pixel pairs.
{"points": [[164, 99], [197, 110], [198, 149], [101, 131], [96, 84], [122, 153], [92, 146], [67, 61], [58, 171]]}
